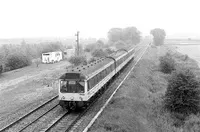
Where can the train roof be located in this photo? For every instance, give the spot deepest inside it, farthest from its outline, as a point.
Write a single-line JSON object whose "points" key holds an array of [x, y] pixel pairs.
{"points": [[85, 71]]}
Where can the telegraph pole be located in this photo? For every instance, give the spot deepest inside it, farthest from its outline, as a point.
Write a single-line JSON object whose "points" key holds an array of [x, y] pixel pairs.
{"points": [[77, 41]]}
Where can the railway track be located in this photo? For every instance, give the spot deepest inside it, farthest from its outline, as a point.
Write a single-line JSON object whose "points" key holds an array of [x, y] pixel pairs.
{"points": [[67, 122], [52, 118], [39, 111]]}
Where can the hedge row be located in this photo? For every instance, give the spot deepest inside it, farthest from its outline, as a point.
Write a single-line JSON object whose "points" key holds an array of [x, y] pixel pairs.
{"points": [[167, 63], [182, 97], [13, 56]]}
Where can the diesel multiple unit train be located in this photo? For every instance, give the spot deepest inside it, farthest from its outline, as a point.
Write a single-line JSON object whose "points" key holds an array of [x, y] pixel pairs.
{"points": [[78, 85]]}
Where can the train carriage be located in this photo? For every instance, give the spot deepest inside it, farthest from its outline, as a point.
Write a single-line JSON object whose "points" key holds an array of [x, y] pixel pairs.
{"points": [[78, 85]]}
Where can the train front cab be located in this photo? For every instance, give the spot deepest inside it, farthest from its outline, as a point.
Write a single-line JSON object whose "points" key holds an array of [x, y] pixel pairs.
{"points": [[72, 91]]}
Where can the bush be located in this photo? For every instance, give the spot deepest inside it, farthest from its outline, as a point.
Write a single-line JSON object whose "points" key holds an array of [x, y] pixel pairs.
{"points": [[77, 60], [92, 60], [182, 95], [37, 61], [185, 57], [50, 47], [98, 53], [87, 50], [167, 63], [90, 47], [109, 51], [16, 61]]}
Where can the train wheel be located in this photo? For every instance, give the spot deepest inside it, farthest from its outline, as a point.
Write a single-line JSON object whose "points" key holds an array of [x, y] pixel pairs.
{"points": [[72, 105], [64, 105], [99, 93]]}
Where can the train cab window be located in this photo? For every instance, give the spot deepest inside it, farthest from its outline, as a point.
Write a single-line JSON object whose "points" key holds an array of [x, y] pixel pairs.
{"points": [[72, 86]]}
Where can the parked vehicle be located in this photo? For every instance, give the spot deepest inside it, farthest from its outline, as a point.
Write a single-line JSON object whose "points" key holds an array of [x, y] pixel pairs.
{"points": [[52, 57]]}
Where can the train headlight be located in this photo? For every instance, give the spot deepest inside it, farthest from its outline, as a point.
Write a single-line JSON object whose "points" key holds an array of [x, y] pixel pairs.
{"points": [[81, 98], [72, 98], [63, 97]]}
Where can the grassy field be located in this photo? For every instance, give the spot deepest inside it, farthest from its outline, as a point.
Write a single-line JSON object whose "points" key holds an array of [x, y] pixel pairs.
{"points": [[178, 41]]}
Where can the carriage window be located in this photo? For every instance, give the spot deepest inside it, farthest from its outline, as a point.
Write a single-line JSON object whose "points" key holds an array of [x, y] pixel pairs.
{"points": [[72, 86], [92, 82]]}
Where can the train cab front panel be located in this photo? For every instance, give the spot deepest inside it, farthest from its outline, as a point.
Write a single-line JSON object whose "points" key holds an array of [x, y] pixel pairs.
{"points": [[72, 87]]}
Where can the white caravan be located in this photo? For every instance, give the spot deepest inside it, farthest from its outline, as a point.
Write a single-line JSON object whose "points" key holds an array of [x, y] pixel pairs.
{"points": [[52, 57]]}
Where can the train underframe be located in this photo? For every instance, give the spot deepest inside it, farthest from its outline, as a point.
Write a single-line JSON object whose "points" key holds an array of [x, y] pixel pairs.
{"points": [[72, 105]]}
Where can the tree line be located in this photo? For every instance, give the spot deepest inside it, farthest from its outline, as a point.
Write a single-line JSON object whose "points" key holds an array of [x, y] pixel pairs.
{"points": [[17, 56], [129, 35]]}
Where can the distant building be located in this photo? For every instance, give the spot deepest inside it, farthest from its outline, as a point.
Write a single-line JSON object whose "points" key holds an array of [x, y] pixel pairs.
{"points": [[52, 57]]}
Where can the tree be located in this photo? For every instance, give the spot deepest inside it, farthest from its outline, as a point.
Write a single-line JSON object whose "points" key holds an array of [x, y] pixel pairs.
{"points": [[115, 34], [120, 44], [37, 61], [130, 35], [15, 61], [100, 44], [98, 53], [158, 36], [78, 60], [167, 63], [182, 95]]}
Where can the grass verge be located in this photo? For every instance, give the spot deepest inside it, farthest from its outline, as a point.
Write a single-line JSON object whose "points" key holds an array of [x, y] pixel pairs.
{"points": [[138, 104]]}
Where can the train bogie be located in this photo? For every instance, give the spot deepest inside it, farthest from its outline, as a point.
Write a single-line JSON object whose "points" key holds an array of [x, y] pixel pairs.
{"points": [[72, 105]]}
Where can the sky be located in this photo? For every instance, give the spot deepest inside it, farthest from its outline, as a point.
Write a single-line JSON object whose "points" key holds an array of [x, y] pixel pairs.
{"points": [[94, 18]]}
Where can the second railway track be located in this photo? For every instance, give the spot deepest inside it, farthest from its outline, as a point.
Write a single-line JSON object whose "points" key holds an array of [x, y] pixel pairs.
{"points": [[22, 122]]}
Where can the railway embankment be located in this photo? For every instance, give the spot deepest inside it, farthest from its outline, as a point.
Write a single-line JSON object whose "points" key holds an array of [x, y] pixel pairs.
{"points": [[137, 105]]}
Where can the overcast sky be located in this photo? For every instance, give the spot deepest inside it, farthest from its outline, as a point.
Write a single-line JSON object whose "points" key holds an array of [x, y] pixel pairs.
{"points": [[93, 18]]}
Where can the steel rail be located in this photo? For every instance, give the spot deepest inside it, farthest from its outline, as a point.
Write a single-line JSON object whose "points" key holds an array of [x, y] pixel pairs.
{"points": [[55, 122], [29, 113], [27, 125]]}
